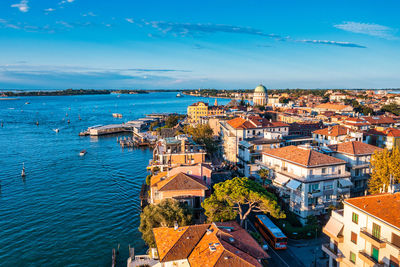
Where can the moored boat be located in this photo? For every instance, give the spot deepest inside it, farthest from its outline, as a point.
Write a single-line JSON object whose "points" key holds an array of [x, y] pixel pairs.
{"points": [[82, 153]]}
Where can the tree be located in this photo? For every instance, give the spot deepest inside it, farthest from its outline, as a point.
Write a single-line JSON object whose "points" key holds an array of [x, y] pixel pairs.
{"points": [[164, 214], [385, 165], [264, 174], [392, 108], [203, 135], [240, 196]]}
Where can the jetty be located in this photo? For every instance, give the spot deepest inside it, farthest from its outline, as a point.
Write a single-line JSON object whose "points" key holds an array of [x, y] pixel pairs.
{"points": [[135, 126]]}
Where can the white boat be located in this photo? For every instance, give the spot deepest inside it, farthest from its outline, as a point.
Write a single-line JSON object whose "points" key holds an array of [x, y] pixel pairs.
{"points": [[56, 130], [179, 95], [82, 153]]}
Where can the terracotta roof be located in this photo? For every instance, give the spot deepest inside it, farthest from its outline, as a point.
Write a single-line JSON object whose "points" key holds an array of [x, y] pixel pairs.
{"points": [[180, 181], [379, 120], [335, 131], [254, 122], [174, 244], [351, 119], [302, 156], [383, 206], [333, 106], [354, 148], [393, 132], [234, 248], [156, 178]]}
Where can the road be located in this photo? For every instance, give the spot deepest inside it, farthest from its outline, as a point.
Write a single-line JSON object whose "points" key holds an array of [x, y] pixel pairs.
{"points": [[284, 258]]}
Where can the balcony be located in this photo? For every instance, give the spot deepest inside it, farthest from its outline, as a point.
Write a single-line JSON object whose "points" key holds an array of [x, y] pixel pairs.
{"points": [[315, 193], [365, 257], [343, 190], [377, 242], [335, 255]]}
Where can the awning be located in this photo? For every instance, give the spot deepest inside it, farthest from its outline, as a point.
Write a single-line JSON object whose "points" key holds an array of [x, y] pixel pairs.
{"points": [[282, 180], [293, 184], [334, 227], [345, 182]]}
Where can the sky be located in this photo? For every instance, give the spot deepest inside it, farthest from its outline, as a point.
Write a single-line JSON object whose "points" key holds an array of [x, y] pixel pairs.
{"points": [[59, 44]]}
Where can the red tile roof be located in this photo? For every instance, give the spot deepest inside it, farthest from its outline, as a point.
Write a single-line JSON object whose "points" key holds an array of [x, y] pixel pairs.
{"points": [[254, 122], [374, 120], [335, 131], [354, 148], [180, 181], [333, 106], [229, 248], [383, 206], [302, 156]]}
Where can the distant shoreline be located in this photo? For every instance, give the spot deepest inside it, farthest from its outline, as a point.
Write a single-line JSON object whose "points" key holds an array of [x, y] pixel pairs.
{"points": [[70, 92]]}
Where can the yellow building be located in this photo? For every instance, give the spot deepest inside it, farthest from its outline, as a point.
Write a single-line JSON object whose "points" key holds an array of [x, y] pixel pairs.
{"points": [[201, 109]]}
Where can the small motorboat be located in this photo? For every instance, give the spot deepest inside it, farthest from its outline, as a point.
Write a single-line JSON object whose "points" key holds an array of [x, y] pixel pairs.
{"points": [[82, 153], [179, 95], [27, 103], [56, 130]]}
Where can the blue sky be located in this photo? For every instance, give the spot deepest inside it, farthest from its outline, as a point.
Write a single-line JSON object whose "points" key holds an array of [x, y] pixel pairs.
{"points": [[199, 44]]}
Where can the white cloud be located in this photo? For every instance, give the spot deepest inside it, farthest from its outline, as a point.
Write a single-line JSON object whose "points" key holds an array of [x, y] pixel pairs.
{"points": [[49, 9], [89, 14], [130, 20], [22, 6], [66, 1], [368, 29]]}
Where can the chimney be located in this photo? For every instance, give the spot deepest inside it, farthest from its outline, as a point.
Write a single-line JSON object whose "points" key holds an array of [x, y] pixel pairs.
{"points": [[176, 226], [348, 131], [183, 144], [329, 129]]}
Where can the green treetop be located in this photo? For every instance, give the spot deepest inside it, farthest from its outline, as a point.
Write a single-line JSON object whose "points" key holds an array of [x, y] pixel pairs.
{"points": [[164, 214], [240, 196]]}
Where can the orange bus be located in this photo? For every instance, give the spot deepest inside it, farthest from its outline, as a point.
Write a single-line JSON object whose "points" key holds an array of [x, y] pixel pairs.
{"points": [[271, 232]]}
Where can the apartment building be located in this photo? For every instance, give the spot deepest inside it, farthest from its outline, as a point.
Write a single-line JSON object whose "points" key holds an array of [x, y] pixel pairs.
{"points": [[385, 138], [201, 109], [336, 134], [182, 187], [176, 151], [358, 157], [366, 232], [309, 182], [250, 151], [238, 129]]}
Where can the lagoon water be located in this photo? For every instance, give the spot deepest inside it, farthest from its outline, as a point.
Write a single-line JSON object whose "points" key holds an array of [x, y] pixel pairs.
{"points": [[72, 210]]}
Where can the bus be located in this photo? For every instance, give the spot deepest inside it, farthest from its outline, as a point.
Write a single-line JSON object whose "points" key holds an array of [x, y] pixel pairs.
{"points": [[271, 232]]}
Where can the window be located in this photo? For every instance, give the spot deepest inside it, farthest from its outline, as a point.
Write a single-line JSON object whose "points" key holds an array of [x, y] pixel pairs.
{"points": [[353, 237], [375, 253], [376, 230], [396, 240], [352, 257], [394, 262], [354, 218], [313, 187], [323, 170]]}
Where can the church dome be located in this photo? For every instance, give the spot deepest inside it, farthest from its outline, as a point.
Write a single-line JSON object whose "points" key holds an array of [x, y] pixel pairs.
{"points": [[260, 89]]}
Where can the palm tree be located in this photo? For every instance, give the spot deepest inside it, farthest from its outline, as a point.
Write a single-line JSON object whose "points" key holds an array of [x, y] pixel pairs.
{"points": [[264, 174]]}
